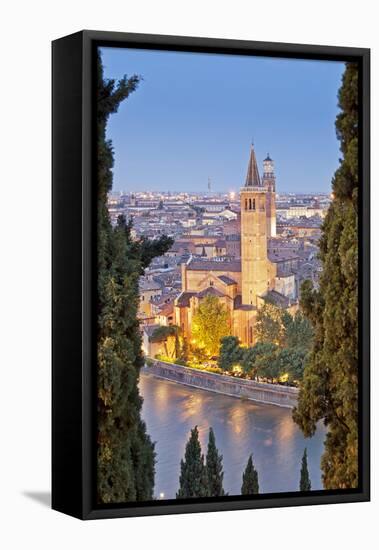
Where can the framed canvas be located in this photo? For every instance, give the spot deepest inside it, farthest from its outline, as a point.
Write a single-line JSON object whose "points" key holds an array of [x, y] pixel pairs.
{"points": [[210, 275]]}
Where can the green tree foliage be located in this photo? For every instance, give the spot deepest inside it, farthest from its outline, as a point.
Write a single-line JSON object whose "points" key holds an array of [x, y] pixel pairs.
{"points": [[269, 324], [298, 331], [199, 210], [330, 386], [150, 249], [260, 360], [215, 474], [210, 324], [162, 332], [230, 353], [283, 344], [125, 453], [175, 346], [250, 484], [184, 350], [193, 474], [305, 482], [267, 359], [290, 362], [170, 336], [277, 326], [265, 364], [249, 356]]}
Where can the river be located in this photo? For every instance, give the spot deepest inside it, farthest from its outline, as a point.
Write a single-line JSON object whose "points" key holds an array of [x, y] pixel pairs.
{"points": [[241, 427]]}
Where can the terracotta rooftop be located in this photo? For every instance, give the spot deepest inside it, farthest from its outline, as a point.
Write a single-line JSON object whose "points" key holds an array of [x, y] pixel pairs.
{"points": [[227, 280], [214, 265], [282, 256], [145, 285], [166, 298], [183, 299], [176, 247], [167, 309], [210, 291], [239, 305], [149, 329], [278, 299], [281, 273]]}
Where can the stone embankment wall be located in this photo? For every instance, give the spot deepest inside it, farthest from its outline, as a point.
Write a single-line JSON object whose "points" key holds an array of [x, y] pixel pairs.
{"points": [[272, 394]]}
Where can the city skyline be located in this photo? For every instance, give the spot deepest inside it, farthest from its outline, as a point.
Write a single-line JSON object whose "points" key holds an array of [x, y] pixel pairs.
{"points": [[203, 111], [211, 194]]}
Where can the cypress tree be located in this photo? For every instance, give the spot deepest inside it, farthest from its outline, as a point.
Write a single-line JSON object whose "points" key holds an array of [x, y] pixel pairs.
{"points": [[250, 484], [193, 474], [329, 390], [215, 474], [305, 482], [125, 453]]}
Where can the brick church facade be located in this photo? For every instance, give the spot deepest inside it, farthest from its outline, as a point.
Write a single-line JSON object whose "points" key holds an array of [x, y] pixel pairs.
{"points": [[242, 284]]}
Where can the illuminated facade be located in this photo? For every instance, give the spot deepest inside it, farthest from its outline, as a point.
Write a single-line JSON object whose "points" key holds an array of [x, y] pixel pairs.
{"points": [[244, 284]]}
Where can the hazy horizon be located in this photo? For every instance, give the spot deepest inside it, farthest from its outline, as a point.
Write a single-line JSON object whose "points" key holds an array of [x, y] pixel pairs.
{"points": [[206, 192]]}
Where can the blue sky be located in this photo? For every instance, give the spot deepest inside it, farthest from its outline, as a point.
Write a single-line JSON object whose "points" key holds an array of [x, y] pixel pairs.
{"points": [[194, 116]]}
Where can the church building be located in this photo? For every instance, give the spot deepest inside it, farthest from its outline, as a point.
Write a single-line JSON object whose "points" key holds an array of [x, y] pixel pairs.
{"points": [[241, 284]]}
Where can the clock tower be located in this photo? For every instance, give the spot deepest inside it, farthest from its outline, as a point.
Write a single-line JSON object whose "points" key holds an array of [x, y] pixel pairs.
{"points": [[254, 263], [268, 181]]}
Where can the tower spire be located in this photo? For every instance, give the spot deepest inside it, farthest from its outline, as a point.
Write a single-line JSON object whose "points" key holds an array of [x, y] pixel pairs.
{"points": [[252, 176]]}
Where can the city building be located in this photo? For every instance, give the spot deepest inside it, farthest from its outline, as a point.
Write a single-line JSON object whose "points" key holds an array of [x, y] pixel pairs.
{"points": [[245, 283], [148, 291]]}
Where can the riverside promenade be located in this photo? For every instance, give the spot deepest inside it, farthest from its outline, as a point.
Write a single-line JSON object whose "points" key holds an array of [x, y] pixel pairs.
{"points": [[273, 394]]}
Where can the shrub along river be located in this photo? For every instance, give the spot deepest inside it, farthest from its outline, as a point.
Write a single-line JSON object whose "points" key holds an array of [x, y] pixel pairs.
{"points": [[241, 427]]}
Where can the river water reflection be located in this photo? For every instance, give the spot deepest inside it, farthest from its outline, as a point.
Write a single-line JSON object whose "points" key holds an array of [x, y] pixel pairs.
{"points": [[241, 427]]}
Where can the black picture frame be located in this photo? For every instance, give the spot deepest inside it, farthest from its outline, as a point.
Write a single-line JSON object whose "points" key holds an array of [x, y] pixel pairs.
{"points": [[74, 273]]}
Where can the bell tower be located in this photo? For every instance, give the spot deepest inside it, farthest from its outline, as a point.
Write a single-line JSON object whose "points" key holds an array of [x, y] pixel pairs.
{"points": [[269, 182], [253, 235]]}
